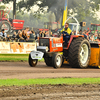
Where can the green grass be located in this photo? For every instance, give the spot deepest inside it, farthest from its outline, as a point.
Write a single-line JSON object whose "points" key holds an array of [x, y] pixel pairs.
{"points": [[15, 57], [51, 81]]}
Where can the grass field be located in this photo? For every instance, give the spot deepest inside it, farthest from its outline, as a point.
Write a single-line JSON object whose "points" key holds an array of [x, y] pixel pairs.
{"points": [[14, 57], [70, 81]]}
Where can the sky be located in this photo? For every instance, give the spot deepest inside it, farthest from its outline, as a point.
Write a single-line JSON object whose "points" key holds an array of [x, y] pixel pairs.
{"points": [[98, 13]]}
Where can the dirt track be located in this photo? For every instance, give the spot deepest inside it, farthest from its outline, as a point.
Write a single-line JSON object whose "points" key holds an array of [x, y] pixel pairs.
{"points": [[22, 70], [48, 92]]}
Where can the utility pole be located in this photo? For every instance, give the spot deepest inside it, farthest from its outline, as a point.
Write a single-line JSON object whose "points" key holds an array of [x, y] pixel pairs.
{"points": [[67, 7], [14, 9]]}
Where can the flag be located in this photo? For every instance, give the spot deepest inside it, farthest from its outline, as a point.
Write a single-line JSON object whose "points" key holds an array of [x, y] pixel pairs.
{"points": [[64, 14]]}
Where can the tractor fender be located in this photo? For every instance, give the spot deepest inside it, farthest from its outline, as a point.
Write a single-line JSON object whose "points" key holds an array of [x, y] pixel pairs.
{"points": [[73, 37]]}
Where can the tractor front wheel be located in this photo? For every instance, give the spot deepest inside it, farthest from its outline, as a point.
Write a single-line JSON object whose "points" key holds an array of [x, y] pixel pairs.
{"points": [[32, 62], [57, 60], [79, 53]]}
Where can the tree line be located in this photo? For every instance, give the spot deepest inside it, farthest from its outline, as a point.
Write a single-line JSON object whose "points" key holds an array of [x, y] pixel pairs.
{"points": [[83, 10]]}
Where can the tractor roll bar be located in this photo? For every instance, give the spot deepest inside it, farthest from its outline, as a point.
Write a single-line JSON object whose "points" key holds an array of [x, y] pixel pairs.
{"points": [[76, 22]]}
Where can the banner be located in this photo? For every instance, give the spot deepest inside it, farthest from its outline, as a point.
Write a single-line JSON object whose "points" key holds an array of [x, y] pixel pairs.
{"points": [[17, 47], [64, 14], [4, 47]]}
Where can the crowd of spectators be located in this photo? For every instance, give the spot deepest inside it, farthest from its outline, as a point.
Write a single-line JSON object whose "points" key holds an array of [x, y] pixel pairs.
{"points": [[30, 36], [44, 34], [92, 36], [95, 37], [23, 35]]}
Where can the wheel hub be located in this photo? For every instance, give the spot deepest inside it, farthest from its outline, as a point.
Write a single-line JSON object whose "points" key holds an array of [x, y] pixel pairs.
{"points": [[84, 53], [34, 62], [5, 26], [58, 61]]}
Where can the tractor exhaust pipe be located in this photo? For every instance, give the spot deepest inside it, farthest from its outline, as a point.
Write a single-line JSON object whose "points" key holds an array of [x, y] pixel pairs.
{"points": [[14, 9]]}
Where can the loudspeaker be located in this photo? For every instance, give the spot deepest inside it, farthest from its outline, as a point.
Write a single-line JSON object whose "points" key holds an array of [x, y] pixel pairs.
{"points": [[82, 24]]}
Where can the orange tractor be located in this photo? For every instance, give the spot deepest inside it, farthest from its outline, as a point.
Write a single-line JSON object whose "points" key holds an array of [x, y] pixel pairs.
{"points": [[77, 52]]}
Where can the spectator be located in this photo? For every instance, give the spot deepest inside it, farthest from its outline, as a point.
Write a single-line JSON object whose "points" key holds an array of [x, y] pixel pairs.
{"points": [[78, 33], [95, 36], [85, 36], [92, 38], [88, 32], [24, 36], [14, 36], [43, 34], [98, 37], [27, 37], [3, 34], [32, 35], [51, 34], [47, 34], [18, 37], [21, 39], [85, 31], [8, 38], [39, 34], [74, 32], [27, 31]]}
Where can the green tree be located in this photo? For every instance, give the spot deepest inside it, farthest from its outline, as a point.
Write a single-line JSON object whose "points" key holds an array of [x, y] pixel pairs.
{"points": [[81, 7], [2, 7], [7, 1], [95, 5], [83, 10]]}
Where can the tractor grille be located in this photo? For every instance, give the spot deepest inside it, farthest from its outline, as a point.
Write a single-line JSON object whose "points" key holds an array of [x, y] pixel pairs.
{"points": [[44, 42]]}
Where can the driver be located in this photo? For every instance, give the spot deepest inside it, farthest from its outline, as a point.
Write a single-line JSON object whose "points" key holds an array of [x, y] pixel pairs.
{"points": [[66, 33]]}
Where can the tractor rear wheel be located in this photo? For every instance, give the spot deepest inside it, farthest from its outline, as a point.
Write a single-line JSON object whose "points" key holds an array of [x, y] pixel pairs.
{"points": [[32, 62], [48, 61], [57, 60], [6, 26], [79, 53]]}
